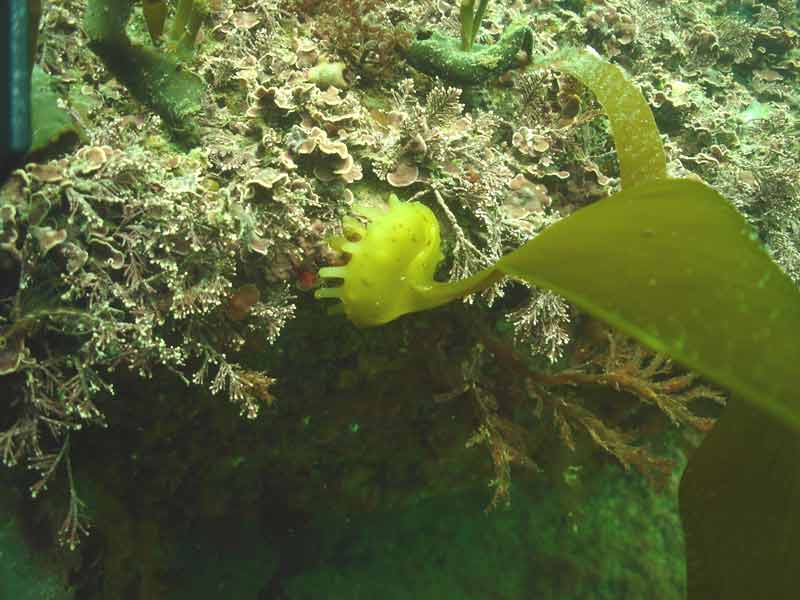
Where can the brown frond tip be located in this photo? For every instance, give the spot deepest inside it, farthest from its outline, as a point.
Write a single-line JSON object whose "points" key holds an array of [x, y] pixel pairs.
{"points": [[652, 378], [619, 444], [506, 442], [655, 380]]}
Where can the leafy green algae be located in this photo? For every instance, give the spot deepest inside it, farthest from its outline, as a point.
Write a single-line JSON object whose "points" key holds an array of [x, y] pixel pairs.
{"points": [[668, 261], [633, 127], [672, 263]]}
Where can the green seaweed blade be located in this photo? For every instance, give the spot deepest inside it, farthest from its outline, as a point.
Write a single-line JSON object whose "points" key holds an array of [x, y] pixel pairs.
{"points": [[633, 127], [673, 264]]}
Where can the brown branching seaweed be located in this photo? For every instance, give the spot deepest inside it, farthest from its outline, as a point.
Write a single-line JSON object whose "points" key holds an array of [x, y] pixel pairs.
{"points": [[619, 365]]}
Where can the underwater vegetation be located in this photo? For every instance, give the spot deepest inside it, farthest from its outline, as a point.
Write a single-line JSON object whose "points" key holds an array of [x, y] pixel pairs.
{"points": [[155, 77], [142, 277], [676, 306], [697, 284], [461, 61]]}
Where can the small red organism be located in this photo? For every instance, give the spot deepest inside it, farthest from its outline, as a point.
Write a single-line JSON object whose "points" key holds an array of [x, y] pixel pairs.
{"points": [[241, 301], [306, 279]]}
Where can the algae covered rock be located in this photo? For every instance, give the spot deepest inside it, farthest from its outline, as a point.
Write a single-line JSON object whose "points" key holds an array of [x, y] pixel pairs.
{"points": [[443, 56]]}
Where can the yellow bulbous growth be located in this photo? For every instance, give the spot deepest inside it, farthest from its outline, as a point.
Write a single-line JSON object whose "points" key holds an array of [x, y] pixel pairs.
{"points": [[391, 260], [392, 263]]}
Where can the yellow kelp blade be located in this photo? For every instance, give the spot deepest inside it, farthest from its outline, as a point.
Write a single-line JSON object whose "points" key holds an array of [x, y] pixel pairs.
{"points": [[739, 502], [673, 264], [633, 127]]}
